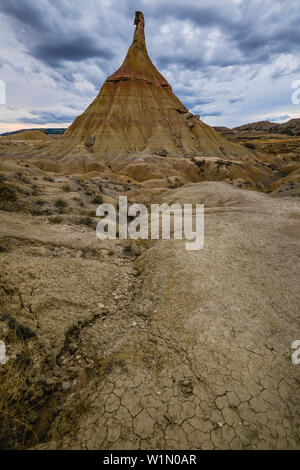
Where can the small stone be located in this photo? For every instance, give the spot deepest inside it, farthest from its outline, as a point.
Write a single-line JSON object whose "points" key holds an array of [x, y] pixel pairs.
{"points": [[73, 347], [52, 381], [90, 141], [66, 386], [161, 152]]}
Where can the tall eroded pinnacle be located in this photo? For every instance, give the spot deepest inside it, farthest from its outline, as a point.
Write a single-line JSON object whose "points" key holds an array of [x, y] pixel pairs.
{"points": [[138, 16], [139, 34], [137, 64]]}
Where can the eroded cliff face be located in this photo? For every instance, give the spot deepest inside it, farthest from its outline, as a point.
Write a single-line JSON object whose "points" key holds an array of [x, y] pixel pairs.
{"points": [[136, 112], [137, 127]]}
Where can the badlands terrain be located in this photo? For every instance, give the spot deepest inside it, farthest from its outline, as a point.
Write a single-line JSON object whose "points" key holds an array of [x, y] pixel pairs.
{"points": [[141, 344]]}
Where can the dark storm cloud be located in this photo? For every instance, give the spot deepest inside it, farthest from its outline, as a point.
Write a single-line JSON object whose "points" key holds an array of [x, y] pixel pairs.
{"points": [[45, 117], [257, 30], [49, 33], [253, 29], [26, 12], [75, 50], [202, 15]]}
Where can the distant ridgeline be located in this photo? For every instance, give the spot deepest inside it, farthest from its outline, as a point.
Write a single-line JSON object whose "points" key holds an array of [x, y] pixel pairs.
{"points": [[47, 131]]}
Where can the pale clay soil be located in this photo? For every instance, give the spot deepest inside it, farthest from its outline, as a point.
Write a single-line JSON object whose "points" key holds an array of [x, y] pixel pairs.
{"points": [[156, 347]]}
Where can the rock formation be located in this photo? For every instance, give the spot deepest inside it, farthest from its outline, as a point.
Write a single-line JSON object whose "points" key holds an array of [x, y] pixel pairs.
{"points": [[137, 112], [140, 344], [26, 136]]}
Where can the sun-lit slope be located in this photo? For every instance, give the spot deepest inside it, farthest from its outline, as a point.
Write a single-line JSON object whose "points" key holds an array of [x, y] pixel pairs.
{"points": [[136, 111], [30, 135]]}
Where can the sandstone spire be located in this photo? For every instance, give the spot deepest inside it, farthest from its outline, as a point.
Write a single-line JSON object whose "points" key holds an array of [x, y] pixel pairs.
{"points": [[137, 63], [136, 112]]}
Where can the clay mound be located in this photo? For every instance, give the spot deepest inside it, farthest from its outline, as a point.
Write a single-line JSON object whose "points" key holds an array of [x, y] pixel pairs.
{"points": [[137, 112], [28, 135]]}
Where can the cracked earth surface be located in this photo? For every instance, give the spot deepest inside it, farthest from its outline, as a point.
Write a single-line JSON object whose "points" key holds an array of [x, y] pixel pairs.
{"points": [[170, 349]]}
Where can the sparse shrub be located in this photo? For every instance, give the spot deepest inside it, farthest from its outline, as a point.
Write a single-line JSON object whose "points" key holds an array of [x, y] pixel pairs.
{"points": [[128, 250], [97, 200], [47, 178], [88, 221], [131, 250], [249, 145], [35, 190], [17, 409], [22, 178], [40, 202], [7, 193], [66, 189], [48, 212], [36, 213], [60, 204], [55, 220], [4, 248]]}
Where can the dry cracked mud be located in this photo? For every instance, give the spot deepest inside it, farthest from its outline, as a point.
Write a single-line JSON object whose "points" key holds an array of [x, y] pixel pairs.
{"points": [[152, 346]]}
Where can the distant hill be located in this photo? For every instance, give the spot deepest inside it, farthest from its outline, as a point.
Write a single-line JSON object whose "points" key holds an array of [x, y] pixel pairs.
{"points": [[59, 131], [222, 129], [28, 135], [291, 127]]}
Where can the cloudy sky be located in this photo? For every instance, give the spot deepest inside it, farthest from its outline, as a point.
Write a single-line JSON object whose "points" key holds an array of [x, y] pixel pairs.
{"points": [[232, 61]]}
